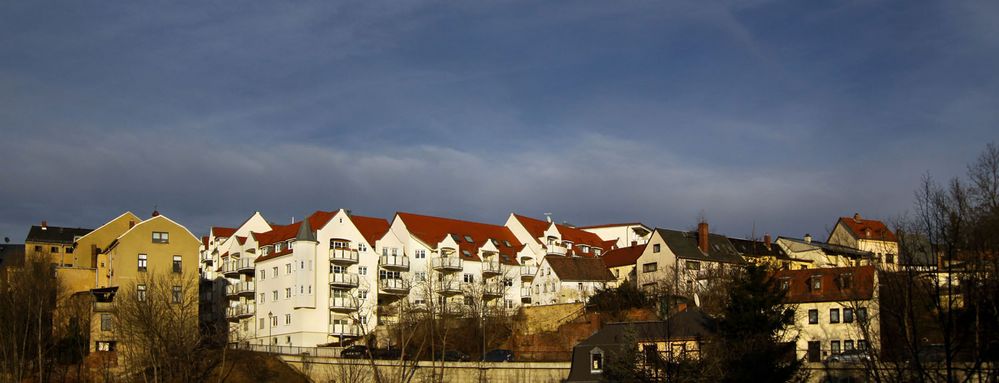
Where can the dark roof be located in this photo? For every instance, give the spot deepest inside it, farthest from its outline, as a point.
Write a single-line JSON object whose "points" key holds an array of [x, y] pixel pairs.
{"points": [[623, 256], [859, 287], [305, 232], [577, 269], [751, 248], [684, 245], [11, 254], [612, 338], [55, 234]]}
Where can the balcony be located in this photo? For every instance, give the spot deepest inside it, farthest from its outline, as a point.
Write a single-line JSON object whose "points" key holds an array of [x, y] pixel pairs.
{"points": [[448, 288], [490, 268], [237, 289], [343, 256], [239, 311], [103, 306], [346, 280], [492, 291], [244, 265], [394, 262], [344, 330], [555, 249], [525, 292], [345, 304], [393, 286], [230, 268], [446, 264], [528, 271]]}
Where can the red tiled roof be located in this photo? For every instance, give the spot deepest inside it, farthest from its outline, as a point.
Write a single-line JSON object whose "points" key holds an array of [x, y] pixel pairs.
{"points": [[868, 229], [612, 225], [241, 240], [204, 241], [623, 256], [223, 231], [861, 285], [433, 230], [280, 233], [273, 255], [537, 228], [371, 228], [579, 269]]}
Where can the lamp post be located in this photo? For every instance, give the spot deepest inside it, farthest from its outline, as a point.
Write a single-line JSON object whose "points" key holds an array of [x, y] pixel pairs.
{"points": [[270, 330]]}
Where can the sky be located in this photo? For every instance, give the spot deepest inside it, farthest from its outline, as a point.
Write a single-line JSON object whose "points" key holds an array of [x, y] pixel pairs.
{"points": [[759, 116]]}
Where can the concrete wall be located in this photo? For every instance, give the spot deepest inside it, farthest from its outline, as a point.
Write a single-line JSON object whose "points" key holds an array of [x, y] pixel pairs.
{"points": [[358, 370]]}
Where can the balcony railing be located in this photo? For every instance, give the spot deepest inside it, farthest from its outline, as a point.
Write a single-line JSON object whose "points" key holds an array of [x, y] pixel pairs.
{"points": [[557, 249], [343, 256], [393, 286], [240, 288], [492, 290], [528, 271], [525, 292], [240, 311], [244, 265], [343, 304], [344, 330], [448, 287], [230, 268], [394, 262], [491, 267], [343, 279], [446, 263]]}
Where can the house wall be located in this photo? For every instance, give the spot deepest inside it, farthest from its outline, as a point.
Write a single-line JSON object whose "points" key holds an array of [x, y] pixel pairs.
{"points": [[824, 331], [623, 234]]}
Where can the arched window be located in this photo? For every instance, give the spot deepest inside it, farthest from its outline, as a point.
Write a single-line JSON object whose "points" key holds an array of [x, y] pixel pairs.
{"points": [[596, 360]]}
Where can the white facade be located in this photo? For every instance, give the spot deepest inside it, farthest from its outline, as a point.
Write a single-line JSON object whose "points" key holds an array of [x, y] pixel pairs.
{"points": [[627, 234]]}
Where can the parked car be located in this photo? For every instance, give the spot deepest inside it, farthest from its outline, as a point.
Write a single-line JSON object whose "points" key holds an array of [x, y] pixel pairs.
{"points": [[498, 355], [455, 356], [849, 356], [355, 352], [388, 353]]}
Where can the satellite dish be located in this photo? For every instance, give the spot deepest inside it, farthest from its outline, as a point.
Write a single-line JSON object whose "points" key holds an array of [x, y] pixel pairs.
{"points": [[697, 300]]}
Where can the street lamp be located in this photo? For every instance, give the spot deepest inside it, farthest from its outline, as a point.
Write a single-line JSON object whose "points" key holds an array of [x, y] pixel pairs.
{"points": [[270, 329]]}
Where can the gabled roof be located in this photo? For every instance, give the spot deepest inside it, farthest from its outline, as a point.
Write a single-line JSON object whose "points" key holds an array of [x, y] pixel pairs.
{"points": [[370, 227], [867, 229], [859, 287], [222, 232], [204, 241], [623, 256], [241, 240], [576, 269], [797, 244], [537, 228], [684, 245], [55, 234], [752, 248], [280, 233], [432, 230]]}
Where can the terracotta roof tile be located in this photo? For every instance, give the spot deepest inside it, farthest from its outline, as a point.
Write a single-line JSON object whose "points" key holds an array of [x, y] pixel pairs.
{"points": [[241, 240], [371, 228], [537, 228], [273, 255], [432, 230], [280, 233], [223, 232], [623, 256], [859, 287], [868, 229]]}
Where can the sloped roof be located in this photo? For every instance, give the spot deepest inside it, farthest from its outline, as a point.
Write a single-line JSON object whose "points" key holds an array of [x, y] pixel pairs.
{"points": [[280, 233], [370, 227], [861, 285], [797, 244], [577, 269], [868, 229], [55, 234], [537, 228], [432, 230], [752, 248], [241, 240], [612, 225], [204, 241], [684, 245], [623, 256], [11, 255], [224, 232]]}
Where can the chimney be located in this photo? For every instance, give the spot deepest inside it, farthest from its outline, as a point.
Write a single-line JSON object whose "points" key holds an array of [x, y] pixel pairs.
{"points": [[45, 225], [156, 213], [808, 238], [131, 224], [702, 236], [766, 240], [856, 217]]}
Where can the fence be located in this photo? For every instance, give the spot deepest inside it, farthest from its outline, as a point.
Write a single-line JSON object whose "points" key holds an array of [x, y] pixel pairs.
{"points": [[326, 352]]}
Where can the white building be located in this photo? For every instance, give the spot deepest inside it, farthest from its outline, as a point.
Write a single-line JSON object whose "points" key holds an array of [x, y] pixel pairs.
{"points": [[563, 279], [682, 261], [626, 234], [867, 235]]}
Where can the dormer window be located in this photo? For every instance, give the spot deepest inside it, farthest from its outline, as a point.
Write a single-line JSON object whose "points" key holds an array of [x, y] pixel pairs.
{"points": [[495, 242], [277, 247], [507, 243], [596, 361], [466, 253], [468, 238], [456, 238], [586, 249], [596, 251], [815, 283], [845, 281], [264, 250]]}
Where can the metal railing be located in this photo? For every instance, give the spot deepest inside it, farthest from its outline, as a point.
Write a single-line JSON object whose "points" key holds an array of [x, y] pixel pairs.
{"points": [[343, 279], [327, 352], [557, 249], [344, 330], [525, 292], [343, 303], [244, 264], [343, 256], [394, 261], [492, 267], [528, 271], [446, 263], [240, 310], [392, 285], [493, 290]]}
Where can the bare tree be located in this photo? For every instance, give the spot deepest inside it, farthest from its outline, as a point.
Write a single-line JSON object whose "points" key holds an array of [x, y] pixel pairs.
{"points": [[27, 299]]}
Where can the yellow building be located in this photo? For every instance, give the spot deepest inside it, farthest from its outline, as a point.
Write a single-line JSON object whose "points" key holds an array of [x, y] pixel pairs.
{"points": [[54, 243]]}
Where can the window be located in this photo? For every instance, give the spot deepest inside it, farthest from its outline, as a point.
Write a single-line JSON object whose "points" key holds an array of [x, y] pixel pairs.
{"points": [[845, 281], [693, 265], [785, 284], [362, 294], [140, 293], [834, 347], [862, 314], [69, 250], [421, 276], [262, 323], [847, 315], [287, 268], [586, 249], [469, 278], [161, 237], [655, 248], [833, 315], [263, 274], [861, 344], [596, 252], [105, 346], [142, 262], [813, 316], [508, 282], [274, 295], [890, 258], [815, 283], [277, 247], [287, 292], [263, 297], [509, 303], [650, 267], [175, 296], [274, 321], [466, 253], [596, 361], [420, 254], [274, 271], [506, 243], [468, 238], [177, 265], [847, 345], [105, 322], [55, 249], [395, 252], [362, 270], [287, 318]]}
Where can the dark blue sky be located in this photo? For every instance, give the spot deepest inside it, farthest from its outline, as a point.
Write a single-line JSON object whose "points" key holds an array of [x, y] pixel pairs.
{"points": [[769, 114]]}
